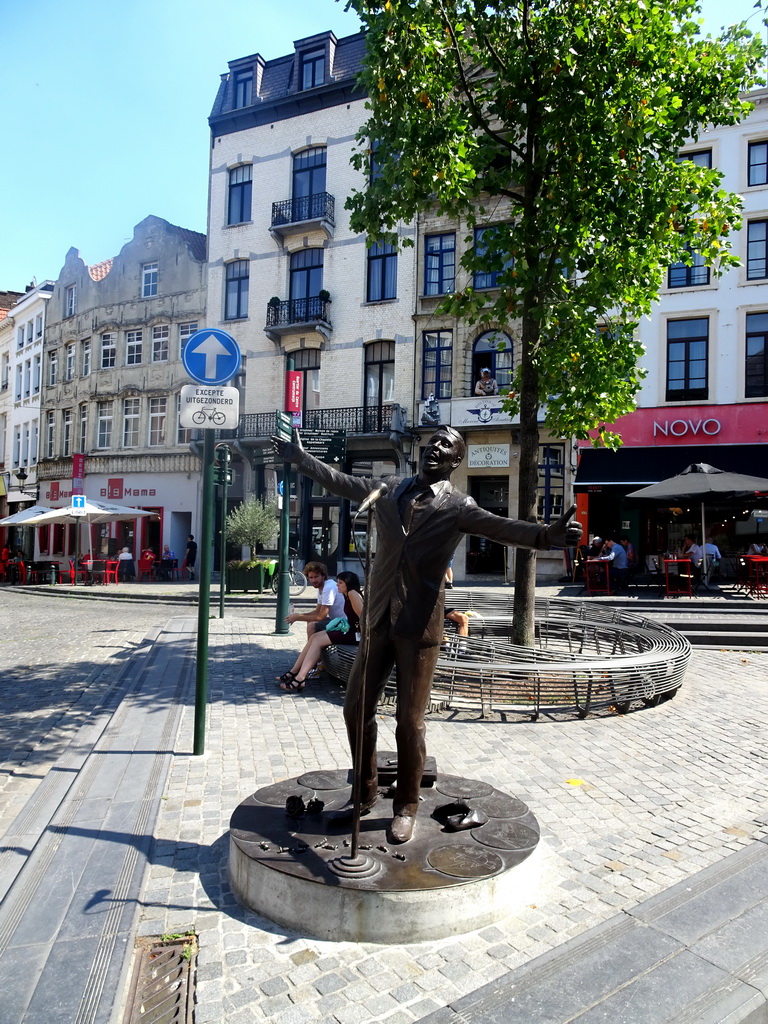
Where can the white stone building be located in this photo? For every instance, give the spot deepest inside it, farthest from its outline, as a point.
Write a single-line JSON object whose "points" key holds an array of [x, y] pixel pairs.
{"points": [[112, 375], [21, 354], [705, 397], [289, 278]]}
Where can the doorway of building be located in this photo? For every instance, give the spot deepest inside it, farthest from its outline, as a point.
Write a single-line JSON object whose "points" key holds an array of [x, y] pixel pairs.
{"points": [[152, 532], [486, 556]]}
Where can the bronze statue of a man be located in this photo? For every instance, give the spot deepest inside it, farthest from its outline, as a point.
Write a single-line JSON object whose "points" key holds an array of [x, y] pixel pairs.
{"points": [[419, 522]]}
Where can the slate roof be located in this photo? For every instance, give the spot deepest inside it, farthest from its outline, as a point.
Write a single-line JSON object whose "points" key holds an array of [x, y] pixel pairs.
{"points": [[197, 242], [278, 79]]}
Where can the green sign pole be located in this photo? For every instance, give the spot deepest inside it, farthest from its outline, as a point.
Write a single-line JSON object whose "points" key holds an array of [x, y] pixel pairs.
{"points": [[204, 600], [225, 454], [284, 579]]}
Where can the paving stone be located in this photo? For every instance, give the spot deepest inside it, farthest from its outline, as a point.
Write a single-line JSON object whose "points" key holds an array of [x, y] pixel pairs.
{"points": [[600, 851], [329, 983]]}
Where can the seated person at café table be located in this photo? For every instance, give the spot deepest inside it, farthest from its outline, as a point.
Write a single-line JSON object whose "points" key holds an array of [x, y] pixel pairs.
{"points": [[617, 556], [692, 550], [756, 548], [595, 548], [167, 563], [125, 568]]}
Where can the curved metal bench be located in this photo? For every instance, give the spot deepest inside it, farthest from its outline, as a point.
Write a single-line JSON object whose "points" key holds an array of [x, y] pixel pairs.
{"points": [[584, 660]]}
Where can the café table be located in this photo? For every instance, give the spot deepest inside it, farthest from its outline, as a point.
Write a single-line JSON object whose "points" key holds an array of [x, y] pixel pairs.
{"points": [[757, 575], [678, 577], [598, 576]]}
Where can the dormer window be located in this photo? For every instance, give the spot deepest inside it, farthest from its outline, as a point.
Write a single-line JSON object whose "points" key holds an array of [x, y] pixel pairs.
{"points": [[312, 68], [243, 88]]}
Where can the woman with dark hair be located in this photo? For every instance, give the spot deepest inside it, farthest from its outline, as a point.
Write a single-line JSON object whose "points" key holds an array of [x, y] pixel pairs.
{"points": [[349, 588]]}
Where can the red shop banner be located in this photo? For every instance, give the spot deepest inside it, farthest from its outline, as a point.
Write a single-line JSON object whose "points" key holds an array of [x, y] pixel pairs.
{"points": [[78, 474], [293, 391], [693, 424]]}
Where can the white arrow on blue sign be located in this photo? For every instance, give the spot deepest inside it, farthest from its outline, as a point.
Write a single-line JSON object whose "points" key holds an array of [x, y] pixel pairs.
{"points": [[78, 501], [211, 356]]}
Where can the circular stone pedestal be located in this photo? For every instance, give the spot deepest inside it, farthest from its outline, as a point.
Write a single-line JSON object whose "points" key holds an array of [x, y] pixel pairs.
{"points": [[298, 871]]}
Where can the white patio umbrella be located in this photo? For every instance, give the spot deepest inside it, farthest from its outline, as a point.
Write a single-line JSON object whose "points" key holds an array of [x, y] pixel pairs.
{"points": [[20, 518], [91, 511]]}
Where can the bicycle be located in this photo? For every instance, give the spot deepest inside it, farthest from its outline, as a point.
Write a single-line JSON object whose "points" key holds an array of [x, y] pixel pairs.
{"points": [[217, 417], [298, 580]]}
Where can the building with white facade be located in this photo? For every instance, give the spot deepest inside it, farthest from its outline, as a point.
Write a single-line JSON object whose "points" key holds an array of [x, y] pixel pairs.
{"points": [[288, 278], [112, 375], [450, 357], [705, 397], [21, 355]]}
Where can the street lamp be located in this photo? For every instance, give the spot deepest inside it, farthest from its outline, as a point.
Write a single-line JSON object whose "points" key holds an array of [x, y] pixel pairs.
{"points": [[22, 476]]}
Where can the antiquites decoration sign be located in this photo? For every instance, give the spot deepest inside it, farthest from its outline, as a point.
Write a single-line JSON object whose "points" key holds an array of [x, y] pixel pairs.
{"points": [[488, 456]]}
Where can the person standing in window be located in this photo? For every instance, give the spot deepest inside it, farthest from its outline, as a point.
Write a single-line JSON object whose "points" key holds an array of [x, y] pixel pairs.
{"points": [[486, 386]]}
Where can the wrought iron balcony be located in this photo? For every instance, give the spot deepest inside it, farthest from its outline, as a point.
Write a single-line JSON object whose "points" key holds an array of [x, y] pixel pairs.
{"points": [[355, 420], [319, 207], [284, 316]]}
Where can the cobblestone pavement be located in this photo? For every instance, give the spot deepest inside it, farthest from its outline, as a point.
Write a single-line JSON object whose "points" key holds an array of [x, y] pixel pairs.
{"points": [[58, 659], [628, 805]]}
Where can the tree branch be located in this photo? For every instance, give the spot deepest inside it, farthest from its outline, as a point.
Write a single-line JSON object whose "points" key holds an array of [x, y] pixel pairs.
{"points": [[478, 114]]}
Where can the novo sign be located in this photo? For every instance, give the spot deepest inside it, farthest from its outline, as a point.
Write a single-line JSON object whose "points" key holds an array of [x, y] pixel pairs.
{"points": [[684, 428], [740, 423]]}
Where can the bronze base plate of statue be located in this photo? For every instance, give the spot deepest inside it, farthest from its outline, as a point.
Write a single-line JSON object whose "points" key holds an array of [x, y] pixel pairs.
{"points": [[472, 860]]}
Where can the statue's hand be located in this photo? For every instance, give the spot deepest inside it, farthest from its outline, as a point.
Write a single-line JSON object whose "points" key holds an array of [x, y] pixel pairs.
{"points": [[287, 451], [564, 534]]}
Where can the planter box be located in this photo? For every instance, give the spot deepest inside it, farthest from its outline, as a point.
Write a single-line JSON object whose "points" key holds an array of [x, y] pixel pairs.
{"points": [[246, 579]]}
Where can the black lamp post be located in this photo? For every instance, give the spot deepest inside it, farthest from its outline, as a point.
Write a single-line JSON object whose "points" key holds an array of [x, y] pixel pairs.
{"points": [[22, 476]]}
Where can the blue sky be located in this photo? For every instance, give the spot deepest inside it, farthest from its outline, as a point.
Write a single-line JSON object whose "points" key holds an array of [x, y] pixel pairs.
{"points": [[105, 113]]}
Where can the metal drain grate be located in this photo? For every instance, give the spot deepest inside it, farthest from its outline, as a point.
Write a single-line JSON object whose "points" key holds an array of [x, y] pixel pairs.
{"points": [[162, 987]]}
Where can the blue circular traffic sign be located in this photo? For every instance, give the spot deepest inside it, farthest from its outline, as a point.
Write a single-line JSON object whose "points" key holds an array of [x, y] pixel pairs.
{"points": [[211, 356]]}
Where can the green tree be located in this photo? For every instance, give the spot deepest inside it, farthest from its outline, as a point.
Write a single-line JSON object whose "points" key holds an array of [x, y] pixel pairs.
{"points": [[252, 523], [559, 122]]}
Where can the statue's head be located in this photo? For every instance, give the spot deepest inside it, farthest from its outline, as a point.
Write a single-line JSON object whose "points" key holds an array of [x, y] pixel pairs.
{"points": [[443, 453]]}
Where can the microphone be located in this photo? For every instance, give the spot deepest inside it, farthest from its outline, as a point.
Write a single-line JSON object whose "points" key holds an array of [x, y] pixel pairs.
{"points": [[373, 497]]}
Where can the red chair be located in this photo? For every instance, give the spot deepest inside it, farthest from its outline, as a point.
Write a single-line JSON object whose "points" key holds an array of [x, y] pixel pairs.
{"points": [[145, 568], [73, 574], [110, 572]]}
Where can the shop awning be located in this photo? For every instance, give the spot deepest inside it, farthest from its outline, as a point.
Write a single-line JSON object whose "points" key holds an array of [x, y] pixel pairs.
{"points": [[634, 467]]}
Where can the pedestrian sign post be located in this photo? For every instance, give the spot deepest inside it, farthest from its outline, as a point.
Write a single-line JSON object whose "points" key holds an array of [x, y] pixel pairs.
{"points": [[284, 426], [327, 445], [209, 408], [211, 356]]}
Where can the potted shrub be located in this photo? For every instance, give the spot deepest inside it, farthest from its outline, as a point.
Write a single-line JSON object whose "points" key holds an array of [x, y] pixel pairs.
{"points": [[324, 295], [274, 302], [252, 523]]}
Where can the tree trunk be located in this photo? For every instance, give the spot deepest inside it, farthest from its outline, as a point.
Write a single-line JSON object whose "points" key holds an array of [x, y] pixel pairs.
{"points": [[525, 560]]}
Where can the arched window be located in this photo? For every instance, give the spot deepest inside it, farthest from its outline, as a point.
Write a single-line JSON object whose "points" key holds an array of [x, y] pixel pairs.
{"points": [[306, 283], [494, 351], [308, 196]]}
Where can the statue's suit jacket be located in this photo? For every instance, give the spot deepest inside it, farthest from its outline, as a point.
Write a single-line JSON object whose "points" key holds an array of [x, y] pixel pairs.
{"points": [[405, 591]]}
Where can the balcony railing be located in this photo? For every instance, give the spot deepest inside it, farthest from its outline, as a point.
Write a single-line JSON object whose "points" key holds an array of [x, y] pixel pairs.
{"points": [[320, 206], [355, 420], [298, 311]]}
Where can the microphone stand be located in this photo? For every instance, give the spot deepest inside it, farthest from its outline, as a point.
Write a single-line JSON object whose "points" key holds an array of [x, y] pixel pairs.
{"points": [[357, 767]]}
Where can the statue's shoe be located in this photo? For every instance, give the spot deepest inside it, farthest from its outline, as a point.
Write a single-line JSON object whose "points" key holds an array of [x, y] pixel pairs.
{"points": [[400, 829], [345, 814]]}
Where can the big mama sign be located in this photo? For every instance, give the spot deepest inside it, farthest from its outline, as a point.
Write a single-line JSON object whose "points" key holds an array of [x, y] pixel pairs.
{"points": [[694, 424]]}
